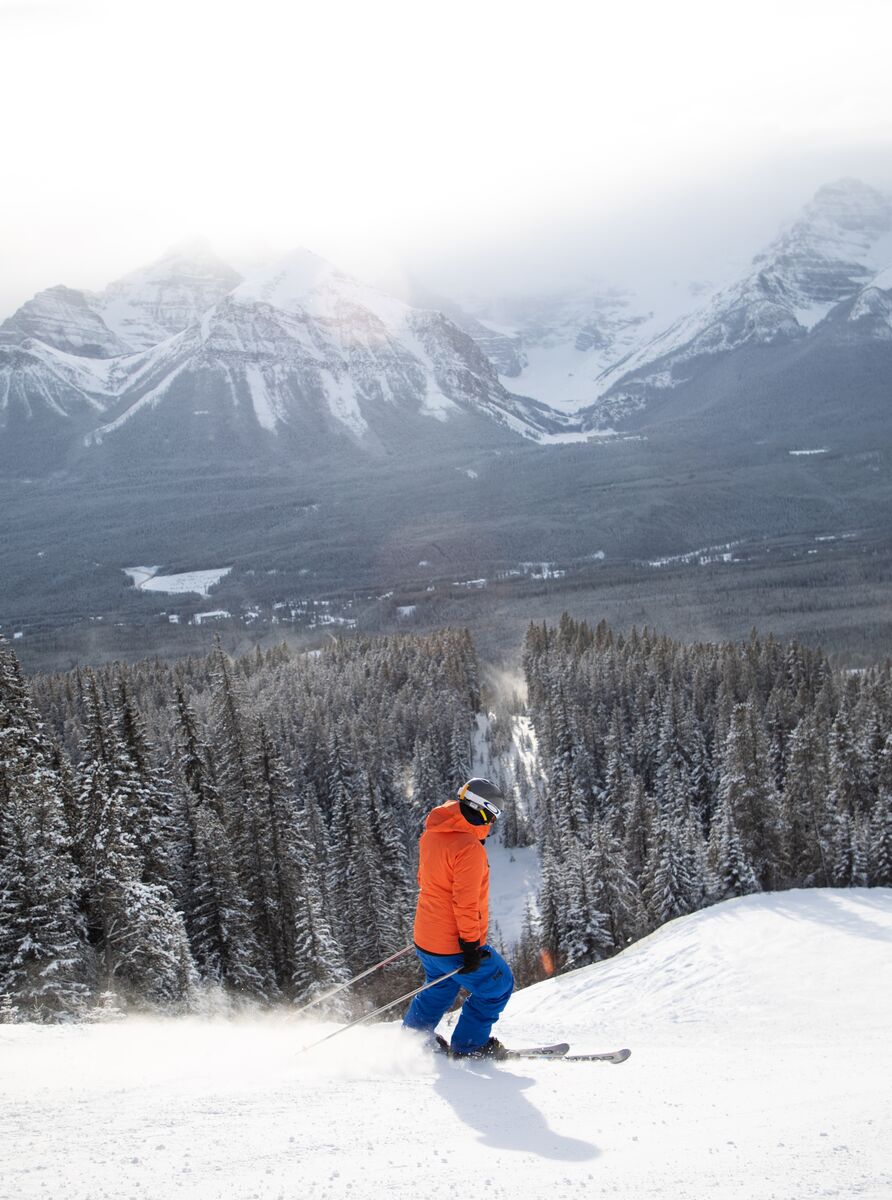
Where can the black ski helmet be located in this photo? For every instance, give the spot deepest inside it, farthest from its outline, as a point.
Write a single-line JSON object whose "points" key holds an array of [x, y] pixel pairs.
{"points": [[480, 800]]}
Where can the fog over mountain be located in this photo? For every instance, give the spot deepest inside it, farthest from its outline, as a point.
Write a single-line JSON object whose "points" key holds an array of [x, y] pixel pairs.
{"points": [[494, 152]]}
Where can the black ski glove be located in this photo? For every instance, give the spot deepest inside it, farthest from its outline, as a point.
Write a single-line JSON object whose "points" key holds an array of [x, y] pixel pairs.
{"points": [[474, 956]]}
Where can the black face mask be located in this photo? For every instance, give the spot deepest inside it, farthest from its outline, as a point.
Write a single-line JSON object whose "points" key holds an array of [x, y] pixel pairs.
{"points": [[474, 816]]}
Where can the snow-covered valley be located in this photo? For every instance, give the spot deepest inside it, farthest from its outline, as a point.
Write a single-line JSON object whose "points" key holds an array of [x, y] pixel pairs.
{"points": [[760, 1031]]}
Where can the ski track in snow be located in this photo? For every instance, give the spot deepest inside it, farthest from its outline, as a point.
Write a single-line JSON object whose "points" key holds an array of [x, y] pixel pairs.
{"points": [[515, 874], [760, 1068]]}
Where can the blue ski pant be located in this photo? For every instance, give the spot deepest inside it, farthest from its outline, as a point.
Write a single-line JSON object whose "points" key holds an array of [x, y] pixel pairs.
{"points": [[490, 988]]}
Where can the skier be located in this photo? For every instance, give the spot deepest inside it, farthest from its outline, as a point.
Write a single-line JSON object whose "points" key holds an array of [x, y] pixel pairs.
{"points": [[451, 920]]}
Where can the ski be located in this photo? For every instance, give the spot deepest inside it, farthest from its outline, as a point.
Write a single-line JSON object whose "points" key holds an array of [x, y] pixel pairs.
{"points": [[559, 1051], [556, 1051], [613, 1056]]}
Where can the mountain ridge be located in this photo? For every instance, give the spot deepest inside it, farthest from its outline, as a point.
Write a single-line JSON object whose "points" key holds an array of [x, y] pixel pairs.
{"points": [[299, 344], [839, 246]]}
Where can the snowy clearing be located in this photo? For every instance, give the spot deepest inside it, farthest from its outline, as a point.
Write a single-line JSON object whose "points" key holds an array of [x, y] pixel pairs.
{"points": [[760, 1032], [141, 575], [215, 614], [190, 581]]}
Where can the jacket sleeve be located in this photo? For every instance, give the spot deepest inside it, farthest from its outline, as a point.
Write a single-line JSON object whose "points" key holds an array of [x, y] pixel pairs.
{"points": [[470, 865]]}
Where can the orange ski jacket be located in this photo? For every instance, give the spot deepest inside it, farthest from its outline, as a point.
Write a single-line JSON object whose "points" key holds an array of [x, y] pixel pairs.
{"points": [[453, 875]]}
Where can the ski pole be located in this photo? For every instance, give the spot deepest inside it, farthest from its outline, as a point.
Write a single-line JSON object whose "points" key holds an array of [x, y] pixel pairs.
{"points": [[356, 978], [383, 1008]]}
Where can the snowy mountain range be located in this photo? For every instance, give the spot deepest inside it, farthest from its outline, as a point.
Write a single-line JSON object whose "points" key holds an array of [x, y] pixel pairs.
{"points": [[297, 348], [188, 349], [604, 352]]}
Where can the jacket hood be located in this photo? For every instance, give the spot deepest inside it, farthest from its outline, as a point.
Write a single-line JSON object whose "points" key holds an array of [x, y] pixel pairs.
{"points": [[448, 818]]}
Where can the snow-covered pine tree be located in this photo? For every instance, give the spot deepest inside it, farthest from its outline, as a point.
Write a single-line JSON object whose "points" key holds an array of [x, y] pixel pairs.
{"points": [[139, 936], [397, 864], [552, 903], [46, 965], [274, 799], [365, 861], [746, 787], [638, 821], [295, 901], [237, 785], [805, 831], [880, 828], [319, 963], [618, 896], [428, 787], [671, 885], [849, 791], [849, 805], [459, 755], [730, 871], [528, 962], [159, 824], [217, 913], [584, 932]]}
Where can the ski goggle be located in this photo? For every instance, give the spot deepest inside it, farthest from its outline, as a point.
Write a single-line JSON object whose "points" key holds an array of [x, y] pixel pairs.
{"points": [[488, 811]]}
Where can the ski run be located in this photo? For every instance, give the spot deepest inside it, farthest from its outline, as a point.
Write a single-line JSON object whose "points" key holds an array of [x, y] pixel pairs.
{"points": [[761, 1059]]}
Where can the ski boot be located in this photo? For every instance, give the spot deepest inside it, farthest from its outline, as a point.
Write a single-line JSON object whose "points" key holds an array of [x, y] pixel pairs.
{"points": [[492, 1048]]}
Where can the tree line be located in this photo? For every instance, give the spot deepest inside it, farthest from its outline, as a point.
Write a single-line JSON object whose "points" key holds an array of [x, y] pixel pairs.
{"points": [[247, 826], [680, 775]]}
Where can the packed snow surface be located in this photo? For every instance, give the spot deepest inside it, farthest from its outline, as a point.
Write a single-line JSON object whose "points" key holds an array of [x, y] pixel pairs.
{"points": [[761, 1059]]}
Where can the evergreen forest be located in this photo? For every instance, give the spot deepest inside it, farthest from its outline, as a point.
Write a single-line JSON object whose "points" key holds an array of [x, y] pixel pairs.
{"points": [[243, 831]]}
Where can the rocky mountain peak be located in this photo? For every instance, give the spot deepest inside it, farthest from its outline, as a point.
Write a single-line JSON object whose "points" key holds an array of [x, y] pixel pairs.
{"points": [[152, 303], [852, 204], [841, 238], [66, 319]]}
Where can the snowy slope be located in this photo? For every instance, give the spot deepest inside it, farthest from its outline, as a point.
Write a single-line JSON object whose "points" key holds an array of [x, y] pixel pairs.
{"points": [[873, 305], [566, 341], [761, 1058]]}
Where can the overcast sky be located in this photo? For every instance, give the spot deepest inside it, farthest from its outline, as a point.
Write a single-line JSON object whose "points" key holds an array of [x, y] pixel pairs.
{"points": [[486, 144]]}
